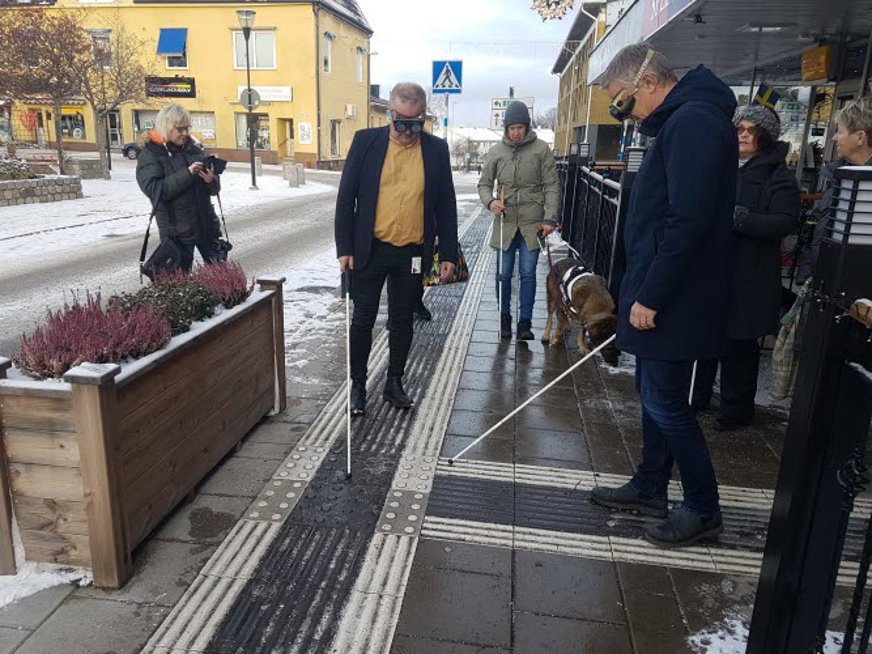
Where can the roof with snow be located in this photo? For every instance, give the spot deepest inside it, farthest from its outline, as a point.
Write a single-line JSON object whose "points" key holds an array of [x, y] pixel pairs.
{"points": [[347, 9]]}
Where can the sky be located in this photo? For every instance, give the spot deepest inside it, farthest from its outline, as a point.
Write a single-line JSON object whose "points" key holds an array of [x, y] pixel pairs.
{"points": [[502, 43]]}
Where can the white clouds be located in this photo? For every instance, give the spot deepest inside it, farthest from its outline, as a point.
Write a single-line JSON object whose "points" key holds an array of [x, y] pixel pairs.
{"points": [[502, 43]]}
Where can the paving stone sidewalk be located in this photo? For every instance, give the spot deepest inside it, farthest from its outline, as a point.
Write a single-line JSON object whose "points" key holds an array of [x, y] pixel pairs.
{"points": [[505, 553]]}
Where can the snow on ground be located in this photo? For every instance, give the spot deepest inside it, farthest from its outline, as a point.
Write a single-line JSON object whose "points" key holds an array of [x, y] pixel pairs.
{"points": [[731, 637], [117, 207], [34, 577]]}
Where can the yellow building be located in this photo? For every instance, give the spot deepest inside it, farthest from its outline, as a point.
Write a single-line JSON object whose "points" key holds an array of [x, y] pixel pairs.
{"points": [[309, 63], [582, 110]]}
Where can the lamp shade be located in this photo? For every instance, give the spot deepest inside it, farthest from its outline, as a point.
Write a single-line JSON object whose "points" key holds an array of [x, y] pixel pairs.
{"points": [[246, 17]]}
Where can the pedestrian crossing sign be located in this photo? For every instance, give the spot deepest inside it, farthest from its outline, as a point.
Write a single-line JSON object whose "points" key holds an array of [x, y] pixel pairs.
{"points": [[447, 76]]}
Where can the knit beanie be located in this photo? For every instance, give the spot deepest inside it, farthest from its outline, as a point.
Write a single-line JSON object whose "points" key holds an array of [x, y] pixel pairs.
{"points": [[517, 114], [761, 116]]}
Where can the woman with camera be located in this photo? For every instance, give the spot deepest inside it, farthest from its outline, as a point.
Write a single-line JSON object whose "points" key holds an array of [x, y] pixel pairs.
{"points": [[173, 172]]}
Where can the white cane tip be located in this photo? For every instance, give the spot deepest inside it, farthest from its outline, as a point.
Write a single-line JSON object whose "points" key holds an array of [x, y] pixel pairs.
{"points": [[451, 462], [348, 475]]}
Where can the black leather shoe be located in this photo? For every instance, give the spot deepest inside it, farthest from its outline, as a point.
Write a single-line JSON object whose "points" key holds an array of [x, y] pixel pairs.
{"points": [[505, 326], [358, 398], [395, 394], [423, 313], [683, 528], [524, 333], [627, 498]]}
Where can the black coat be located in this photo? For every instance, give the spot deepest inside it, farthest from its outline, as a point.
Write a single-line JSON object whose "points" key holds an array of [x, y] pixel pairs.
{"points": [[358, 196], [679, 224], [769, 192], [182, 199]]}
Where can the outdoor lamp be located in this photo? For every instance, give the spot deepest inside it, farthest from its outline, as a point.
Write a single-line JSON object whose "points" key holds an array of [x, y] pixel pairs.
{"points": [[246, 20], [850, 216]]}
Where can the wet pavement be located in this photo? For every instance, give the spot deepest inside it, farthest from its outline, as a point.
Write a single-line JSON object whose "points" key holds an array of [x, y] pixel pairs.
{"points": [[501, 552]]}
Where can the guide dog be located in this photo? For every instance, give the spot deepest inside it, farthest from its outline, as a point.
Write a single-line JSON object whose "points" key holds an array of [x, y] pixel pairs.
{"points": [[580, 296]]}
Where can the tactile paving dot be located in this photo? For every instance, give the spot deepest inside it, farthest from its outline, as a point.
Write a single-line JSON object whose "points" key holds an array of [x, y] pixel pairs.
{"points": [[403, 513], [415, 473], [275, 502]]}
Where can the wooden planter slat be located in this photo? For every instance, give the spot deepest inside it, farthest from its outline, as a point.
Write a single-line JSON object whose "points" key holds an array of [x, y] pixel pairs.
{"points": [[94, 464], [38, 412], [142, 438], [53, 516], [51, 448]]}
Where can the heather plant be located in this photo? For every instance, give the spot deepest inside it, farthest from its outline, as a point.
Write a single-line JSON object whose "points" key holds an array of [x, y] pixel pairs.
{"points": [[86, 331], [226, 279], [179, 298], [14, 169]]}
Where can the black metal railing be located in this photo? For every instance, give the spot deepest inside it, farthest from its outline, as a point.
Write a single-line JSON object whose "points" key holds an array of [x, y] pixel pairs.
{"points": [[823, 470], [592, 212]]}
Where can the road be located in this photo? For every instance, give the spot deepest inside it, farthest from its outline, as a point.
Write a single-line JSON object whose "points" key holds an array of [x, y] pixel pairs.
{"points": [[269, 239]]}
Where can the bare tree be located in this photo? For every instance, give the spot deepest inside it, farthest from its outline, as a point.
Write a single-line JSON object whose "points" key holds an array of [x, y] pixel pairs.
{"points": [[547, 119], [115, 74], [41, 56]]}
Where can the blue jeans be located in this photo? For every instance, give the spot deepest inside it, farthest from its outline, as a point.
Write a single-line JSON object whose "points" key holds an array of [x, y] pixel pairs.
{"points": [[671, 434], [527, 265]]}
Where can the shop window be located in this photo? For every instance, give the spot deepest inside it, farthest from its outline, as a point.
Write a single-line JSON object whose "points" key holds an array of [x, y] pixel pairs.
{"points": [[203, 125], [261, 131], [73, 125], [262, 50], [335, 133]]}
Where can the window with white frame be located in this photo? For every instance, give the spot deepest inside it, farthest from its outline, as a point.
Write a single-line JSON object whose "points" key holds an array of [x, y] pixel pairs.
{"points": [[262, 49], [327, 54], [360, 64], [335, 133]]}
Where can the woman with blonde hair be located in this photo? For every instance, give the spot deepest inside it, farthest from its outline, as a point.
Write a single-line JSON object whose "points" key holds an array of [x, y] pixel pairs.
{"points": [[171, 172]]}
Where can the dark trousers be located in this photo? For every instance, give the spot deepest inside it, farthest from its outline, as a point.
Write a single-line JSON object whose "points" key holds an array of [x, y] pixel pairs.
{"points": [[386, 262], [740, 366], [187, 260], [671, 434]]}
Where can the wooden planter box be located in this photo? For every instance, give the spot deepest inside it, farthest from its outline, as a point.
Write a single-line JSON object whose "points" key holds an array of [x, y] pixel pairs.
{"points": [[94, 463]]}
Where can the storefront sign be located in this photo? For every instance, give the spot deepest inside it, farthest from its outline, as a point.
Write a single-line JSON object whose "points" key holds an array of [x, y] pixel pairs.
{"points": [[816, 64], [270, 93], [170, 87]]}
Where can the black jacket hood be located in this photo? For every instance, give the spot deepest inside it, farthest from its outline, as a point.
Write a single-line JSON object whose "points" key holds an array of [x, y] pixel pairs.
{"points": [[699, 85]]}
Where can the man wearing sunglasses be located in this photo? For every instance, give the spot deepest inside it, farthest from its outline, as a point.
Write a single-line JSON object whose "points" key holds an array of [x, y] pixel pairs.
{"points": [[396, 196], [675, 293]]}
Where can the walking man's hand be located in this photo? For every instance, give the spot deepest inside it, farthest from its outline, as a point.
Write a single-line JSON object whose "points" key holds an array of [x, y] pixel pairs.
{"points": [[446, 271], [641, 317], [346, 263]]}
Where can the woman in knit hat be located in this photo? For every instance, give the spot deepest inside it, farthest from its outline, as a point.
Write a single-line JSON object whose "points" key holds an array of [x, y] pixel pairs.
{"points": [[767, 210], [519, 182]]}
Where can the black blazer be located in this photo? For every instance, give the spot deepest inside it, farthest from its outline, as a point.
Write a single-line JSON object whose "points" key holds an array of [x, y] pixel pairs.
{"points": [[358, 195]]}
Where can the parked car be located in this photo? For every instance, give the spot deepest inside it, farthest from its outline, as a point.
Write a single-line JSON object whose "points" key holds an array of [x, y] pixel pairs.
{"points": [[131, 150]]}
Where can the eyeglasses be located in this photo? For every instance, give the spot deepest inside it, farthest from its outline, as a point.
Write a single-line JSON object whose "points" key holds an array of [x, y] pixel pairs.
{"points": [[183, 128], [412, 125], [750, 131]]}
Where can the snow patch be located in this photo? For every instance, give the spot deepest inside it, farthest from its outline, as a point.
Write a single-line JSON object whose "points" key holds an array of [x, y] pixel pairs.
{"points": [[730, 636], [626, 365]]}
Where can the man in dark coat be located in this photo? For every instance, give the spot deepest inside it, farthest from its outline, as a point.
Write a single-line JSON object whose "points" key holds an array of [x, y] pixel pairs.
{"points": [[171, 173], [396, 196], [675, 293]]}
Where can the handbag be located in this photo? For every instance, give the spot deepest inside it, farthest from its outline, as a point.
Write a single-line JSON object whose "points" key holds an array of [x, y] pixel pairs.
{"points": [[461, 270], [785, 362], [222, 244], [166, 258]]}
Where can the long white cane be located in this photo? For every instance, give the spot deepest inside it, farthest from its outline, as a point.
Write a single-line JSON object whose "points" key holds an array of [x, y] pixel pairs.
{"points": [[346, 283], [692, 383], [500, 268]]}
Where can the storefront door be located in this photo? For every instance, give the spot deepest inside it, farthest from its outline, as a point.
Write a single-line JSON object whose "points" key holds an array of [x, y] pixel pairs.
{"points": [[116, 136]]}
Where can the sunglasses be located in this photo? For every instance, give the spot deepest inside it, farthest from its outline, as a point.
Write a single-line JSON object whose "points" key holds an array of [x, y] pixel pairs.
{"points": [[753, 130], [621, 106], [412, 125]]}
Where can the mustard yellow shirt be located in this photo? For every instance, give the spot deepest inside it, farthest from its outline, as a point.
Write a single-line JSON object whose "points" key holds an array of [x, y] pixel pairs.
{"points": [[399, 212]]}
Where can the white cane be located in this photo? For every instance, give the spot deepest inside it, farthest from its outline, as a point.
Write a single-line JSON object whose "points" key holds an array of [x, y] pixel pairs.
{"points": [[346, 283], [533, 397], [500, 268], [692, 383]]}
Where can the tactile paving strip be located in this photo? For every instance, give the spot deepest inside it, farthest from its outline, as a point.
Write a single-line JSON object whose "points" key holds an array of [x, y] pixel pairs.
{"points": [[403, 513], [415, 473]]}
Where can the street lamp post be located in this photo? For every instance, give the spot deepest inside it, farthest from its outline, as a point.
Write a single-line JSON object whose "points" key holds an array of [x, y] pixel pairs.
{"points": [[246, 20]]}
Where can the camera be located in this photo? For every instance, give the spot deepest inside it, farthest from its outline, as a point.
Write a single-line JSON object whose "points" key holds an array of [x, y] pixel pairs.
{"points": [[221, 247], [217, 162]]}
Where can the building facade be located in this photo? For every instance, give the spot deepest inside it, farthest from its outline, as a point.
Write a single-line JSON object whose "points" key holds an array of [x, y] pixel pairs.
{"points": [[309, 63]]}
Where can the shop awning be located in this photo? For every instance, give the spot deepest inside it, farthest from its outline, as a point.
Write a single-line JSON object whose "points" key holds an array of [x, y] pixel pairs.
{"points": [[172, 41]]}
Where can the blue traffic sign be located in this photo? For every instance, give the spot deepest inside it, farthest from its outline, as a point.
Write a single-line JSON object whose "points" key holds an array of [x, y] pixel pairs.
{"points": [[447, 76]]}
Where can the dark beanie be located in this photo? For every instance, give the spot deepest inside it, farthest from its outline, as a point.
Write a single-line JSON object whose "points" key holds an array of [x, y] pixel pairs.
{"points": [[517, 114]]}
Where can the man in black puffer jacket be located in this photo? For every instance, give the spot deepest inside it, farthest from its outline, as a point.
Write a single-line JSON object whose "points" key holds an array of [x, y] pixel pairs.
{"points": [[170, 172], [675, 294]]}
